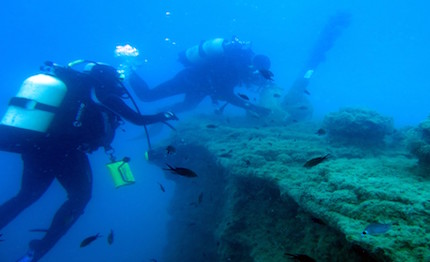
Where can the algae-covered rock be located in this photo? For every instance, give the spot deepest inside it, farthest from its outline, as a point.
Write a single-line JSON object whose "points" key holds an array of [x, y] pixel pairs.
{"points": [[260, 202], [356, 126], [419, 142], [424, 128]]}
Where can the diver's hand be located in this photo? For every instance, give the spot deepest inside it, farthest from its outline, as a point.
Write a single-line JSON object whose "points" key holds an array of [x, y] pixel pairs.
{"points": [[166, 116]]}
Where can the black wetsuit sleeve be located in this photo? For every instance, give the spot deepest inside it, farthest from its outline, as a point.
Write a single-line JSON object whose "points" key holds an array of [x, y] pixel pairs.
{"points": [[118, 106]]}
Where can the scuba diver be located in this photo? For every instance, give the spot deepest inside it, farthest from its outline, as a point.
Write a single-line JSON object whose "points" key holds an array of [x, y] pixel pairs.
{"points": [[213, 68], [55, 120]]}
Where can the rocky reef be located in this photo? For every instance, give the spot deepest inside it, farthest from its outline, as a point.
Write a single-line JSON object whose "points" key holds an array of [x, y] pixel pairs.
{"points": [[357, 126], [254, 200], [419, 142]]}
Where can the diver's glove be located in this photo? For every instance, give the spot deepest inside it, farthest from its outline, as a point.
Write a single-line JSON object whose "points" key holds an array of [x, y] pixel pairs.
{"points": [[166, 116]]}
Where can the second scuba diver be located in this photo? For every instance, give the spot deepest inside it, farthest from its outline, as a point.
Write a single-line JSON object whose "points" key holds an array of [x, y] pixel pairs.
{"points": [[213, 68]]}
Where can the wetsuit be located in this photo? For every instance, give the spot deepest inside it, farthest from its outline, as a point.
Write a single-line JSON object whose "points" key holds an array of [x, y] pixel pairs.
{"points": [[217, 78], [80, 126]]}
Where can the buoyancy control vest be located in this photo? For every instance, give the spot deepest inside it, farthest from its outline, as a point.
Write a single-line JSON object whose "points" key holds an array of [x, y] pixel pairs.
{"points": [[81, 120]]}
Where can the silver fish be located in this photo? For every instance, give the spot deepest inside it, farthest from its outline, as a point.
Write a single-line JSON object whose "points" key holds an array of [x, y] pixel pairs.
{"points": [[376, 229]]}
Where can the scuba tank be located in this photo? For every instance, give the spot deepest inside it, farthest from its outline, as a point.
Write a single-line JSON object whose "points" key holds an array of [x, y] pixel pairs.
{"points": [[198, 54], [35, 105]]}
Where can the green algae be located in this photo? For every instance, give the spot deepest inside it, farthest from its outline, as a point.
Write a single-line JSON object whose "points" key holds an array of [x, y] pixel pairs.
{"points": [[353, 188]]}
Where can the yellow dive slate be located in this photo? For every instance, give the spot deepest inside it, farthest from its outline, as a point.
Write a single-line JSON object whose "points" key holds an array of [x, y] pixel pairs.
{"points": [[121, 173]]}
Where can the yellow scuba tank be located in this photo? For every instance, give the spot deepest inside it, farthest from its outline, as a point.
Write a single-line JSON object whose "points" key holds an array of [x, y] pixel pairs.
{"points": [[35, 105], [208, 49]]}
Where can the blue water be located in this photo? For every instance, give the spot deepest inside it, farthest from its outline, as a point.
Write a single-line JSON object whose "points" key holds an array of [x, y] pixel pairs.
{"points": [[380, 62]]}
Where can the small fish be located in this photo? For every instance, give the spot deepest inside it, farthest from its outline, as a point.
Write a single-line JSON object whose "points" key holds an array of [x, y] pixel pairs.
{"points": [[211, 126], [153, 260], [38, 230], [161, 187], [170, 149], [227, 154], [89, 240], [266, 74], [200, 199], [307, 92], [243, 96], [110, 237], [247, 162], [182, 171], [317, 220], [315, 161], [300, 257], [303, 108], [276, 95], [321, 132], [376, 229]]}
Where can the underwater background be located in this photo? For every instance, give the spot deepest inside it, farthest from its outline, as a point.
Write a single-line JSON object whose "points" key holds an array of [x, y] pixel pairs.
{"points": [[380, 62]]}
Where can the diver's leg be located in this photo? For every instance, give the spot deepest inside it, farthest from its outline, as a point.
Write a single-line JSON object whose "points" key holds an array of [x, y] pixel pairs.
{"points": [[76, 178], [175, 86], [191, 101], [139, 86], [36, 178]]}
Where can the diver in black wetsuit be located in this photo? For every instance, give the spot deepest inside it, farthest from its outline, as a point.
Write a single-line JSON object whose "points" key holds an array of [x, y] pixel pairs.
{"points": [[212, 68], [90, 111]]}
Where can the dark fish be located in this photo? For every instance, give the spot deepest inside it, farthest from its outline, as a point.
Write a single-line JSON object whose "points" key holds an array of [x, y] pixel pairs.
{"points": [[266, 74], [38, 230], [303, 108], [110, 237], [170, 149], [211, 126], [162, 187], [301, 257], [307, 92], [321, 132], [376, 229], [315, 161], [317, 220], [182, 171], [276, 95], [227, 154], [200, 199], [89, 240], [243, 96], [153, 260], [247, 162]]}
